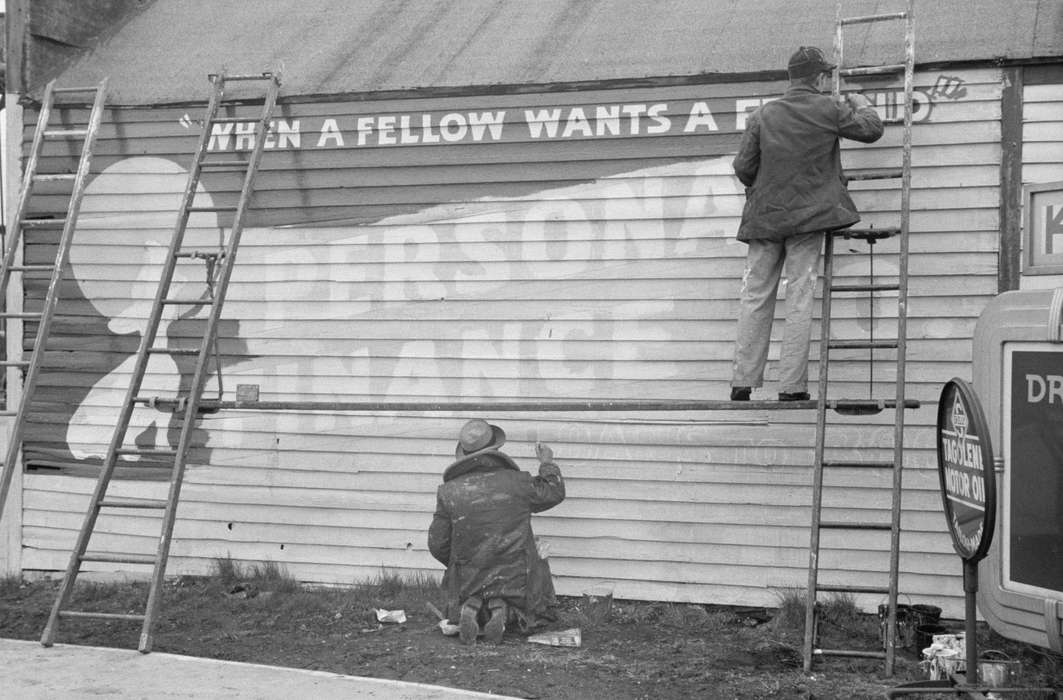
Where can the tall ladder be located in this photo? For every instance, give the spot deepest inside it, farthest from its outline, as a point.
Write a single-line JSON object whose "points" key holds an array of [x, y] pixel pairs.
{"points": [[898, 344], [219, 266], [46, 131]]}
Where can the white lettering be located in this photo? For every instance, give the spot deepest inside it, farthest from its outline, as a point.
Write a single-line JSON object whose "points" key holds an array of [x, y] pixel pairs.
{"points": [[577, 121], [453, 127], [407, 136], [634, 112], [661, 122], [386, 126], [607, 119], [219, 137], [540, 120], [701, 116], [330, 131], [364, 127], [428, 136], [489, 121]]}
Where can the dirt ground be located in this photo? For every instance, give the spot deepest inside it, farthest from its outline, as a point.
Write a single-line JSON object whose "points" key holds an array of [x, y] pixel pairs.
{"points": [[629, 650]]}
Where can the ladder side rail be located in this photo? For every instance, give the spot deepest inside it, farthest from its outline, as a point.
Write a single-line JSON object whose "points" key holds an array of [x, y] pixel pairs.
{"points": [[51, 299], [12, 256], [200, 376], [820, 450], [902, 335], [14, 230], [129, 403]]}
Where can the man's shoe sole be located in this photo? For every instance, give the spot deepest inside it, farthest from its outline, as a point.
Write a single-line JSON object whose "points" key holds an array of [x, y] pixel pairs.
{"points": [[468, 628]]}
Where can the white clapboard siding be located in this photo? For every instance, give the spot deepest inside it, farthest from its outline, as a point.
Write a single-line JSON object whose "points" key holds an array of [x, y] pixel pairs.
{"points": [[591, 258]]}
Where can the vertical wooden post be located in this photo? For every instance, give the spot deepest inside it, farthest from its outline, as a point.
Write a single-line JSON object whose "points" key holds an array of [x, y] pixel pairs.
{"points": [[1009, 268]]}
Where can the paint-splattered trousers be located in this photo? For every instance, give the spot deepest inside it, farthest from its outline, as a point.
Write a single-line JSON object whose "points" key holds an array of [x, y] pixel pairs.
{"points": [[796, 258]]}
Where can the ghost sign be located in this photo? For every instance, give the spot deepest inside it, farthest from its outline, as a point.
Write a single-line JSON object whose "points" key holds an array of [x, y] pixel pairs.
{"points": [[965, 466]]}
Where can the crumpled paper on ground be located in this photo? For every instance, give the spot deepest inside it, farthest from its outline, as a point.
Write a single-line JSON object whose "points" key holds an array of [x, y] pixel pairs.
{"points": [[396, 616]]}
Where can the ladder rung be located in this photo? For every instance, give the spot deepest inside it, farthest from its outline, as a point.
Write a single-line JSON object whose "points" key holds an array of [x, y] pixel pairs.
{"points": [[8, 413], [133, 503], [120, 558], [235, 120], [888, 174], [225, 164], [850, 652], [55, 177], [145, 452], [65, 133], [890, 69], [68, 90], [867, 233], [866, 19], [31, 268], [14, 363], [42, 223], [209, 210], [101, 615], [854, 526], [891, 287], [839, 588], [20, 314], [862, 344], [248, 76], [187, 302], [199, 254], [858, 465], [173, 351]]}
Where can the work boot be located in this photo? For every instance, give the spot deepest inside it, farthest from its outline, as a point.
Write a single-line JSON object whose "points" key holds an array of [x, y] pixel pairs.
{"points": [[794, 396], [468, 627], [496, 626], [741, 393]]}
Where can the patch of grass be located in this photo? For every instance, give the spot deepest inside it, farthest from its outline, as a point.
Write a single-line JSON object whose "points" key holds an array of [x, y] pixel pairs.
{"points": [[396, 590], [267, 575], [790, 616], [10, 585]]}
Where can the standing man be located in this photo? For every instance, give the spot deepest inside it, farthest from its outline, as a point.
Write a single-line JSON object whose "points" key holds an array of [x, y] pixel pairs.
{"points": [[789, 160], [482, 533]]}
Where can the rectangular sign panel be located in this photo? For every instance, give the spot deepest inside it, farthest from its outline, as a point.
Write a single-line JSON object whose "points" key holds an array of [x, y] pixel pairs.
{"points": [[1033, 482]]}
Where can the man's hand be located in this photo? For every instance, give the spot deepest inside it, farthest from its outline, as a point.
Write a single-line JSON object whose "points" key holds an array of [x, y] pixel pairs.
{"points": [[544, 453], [857, 101]]}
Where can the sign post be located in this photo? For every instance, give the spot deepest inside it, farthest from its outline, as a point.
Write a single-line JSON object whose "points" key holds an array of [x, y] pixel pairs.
{"points": [[968, 491]]}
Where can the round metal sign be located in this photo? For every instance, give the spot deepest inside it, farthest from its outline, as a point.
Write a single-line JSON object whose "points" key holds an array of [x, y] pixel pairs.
{"points": [[965, 466]]}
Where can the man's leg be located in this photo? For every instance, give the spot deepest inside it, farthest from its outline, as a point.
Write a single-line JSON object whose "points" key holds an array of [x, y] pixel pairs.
{"points": [[468, 625], [801, 269], [756, 310]]}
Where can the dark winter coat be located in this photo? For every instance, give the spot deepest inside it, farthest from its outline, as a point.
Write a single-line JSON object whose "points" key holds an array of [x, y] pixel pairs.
{"points": [[482, 533], [789, 160]]}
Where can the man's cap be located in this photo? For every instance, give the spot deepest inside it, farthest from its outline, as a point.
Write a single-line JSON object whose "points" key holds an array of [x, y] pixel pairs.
{"points": [[808, 60], [477, 435]]}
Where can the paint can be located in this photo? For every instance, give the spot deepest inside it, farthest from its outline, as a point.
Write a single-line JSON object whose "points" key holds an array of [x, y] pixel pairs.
{"points": [[997, 670], [905, 626], [924, 634], [598, 603]]}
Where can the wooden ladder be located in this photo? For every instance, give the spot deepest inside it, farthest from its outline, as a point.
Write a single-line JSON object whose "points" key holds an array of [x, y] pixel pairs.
{"points": [[13, 265], [896, 344], [219, 267]]}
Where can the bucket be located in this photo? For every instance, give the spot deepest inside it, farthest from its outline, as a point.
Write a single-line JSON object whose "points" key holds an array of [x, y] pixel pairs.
{"points": [[997, 670], [941, 663], [926, 614], [924, 634], [598, 603], [905, 634]]}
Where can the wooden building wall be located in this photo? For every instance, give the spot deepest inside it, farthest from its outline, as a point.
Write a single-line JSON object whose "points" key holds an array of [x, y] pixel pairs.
{"points": [[500, 254]]}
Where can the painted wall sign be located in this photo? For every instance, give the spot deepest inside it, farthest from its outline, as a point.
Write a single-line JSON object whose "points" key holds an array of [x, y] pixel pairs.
{"points": [[965, 466], [1043, 208]]}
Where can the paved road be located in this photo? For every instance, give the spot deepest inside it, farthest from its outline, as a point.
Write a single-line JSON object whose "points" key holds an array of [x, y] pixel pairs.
{"points": [[29, 671]]}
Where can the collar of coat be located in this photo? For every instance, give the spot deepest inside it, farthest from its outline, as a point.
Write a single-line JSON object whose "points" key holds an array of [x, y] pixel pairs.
{"points": [[484, 460]]}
